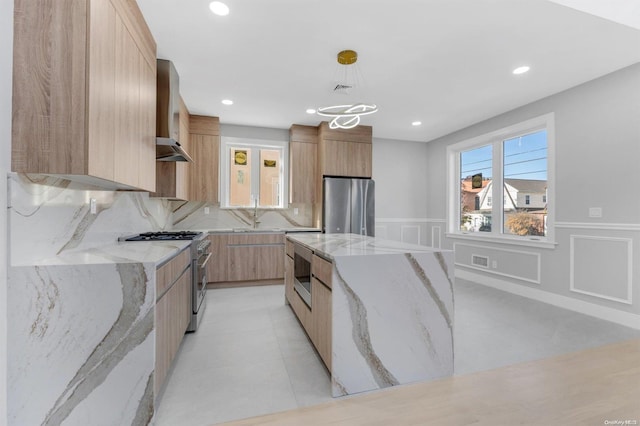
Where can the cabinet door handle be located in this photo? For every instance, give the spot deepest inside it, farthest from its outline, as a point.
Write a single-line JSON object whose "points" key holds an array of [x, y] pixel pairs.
{"points": [[206, 260]]}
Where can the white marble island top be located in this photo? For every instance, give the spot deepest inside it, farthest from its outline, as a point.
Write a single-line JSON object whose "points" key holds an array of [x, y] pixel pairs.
{"points": [[391, 311], [339, 245]]}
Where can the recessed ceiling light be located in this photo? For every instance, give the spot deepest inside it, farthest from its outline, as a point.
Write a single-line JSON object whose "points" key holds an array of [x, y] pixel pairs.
{"points": [[521, 70], [227, 101], [416, 123], [219, 8], [311, 111]]}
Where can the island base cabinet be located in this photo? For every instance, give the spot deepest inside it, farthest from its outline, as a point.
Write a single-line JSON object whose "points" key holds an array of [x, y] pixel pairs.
{"points": [[321, 323]]}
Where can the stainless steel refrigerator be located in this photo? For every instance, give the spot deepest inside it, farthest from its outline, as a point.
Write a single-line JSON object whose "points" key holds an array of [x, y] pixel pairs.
{"points": [[348, 205]]}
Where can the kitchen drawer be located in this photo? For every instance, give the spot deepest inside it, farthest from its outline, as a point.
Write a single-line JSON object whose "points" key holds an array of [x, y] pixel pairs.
{"points": [[255, 239], [321, 269], [168, 273], [289, 248]]}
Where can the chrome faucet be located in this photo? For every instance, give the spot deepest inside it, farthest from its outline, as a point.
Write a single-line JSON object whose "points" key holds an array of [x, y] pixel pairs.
{"points": [[255, 214]]}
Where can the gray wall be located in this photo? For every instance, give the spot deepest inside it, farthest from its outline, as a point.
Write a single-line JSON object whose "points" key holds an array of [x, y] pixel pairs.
{"points": [[401, 183], [597, 130], [250, 132], [6, 53]]}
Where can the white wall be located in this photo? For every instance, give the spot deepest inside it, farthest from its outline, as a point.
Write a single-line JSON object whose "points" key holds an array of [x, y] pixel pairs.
{"points": [[400, 173], [6, 52], [597, 164]]}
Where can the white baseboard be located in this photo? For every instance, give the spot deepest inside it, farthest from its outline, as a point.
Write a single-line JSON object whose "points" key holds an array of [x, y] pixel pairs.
{"points": [[608, 314]]}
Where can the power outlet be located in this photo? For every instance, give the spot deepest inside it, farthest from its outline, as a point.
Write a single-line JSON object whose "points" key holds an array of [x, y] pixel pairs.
{"points": [[494, 264], [295, 211], [595, 211], [93, 205], [206, 210]]}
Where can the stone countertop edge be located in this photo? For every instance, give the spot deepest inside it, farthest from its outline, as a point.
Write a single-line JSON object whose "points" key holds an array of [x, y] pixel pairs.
{"points": [[146, 252], [331, 246], [241, 231]]}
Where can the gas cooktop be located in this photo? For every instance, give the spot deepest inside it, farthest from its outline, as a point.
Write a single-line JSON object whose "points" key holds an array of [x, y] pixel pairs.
{"points": [[164, 236]]}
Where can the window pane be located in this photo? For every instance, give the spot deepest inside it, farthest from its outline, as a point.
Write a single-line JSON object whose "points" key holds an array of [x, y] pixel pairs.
{"points": [[240, 177], [475, 189], [525, 184], [269, 178]]}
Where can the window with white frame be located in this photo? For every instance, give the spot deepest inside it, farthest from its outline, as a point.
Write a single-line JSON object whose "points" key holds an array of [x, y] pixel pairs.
{"points": [[501, 183], [253, 173]]}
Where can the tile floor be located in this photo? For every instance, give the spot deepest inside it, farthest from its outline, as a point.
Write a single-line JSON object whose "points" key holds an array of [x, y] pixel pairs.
{"points": [[251, 357]]}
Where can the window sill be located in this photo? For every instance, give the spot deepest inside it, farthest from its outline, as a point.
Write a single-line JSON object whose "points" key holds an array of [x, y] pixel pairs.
{"points": [[474, 236]]}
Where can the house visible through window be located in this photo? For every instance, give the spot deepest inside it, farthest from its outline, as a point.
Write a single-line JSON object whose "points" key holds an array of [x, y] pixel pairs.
{"points": [[513, 164], [253, 173]]}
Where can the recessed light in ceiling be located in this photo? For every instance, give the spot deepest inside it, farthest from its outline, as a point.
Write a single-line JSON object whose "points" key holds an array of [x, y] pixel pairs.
{"points": [[311, 111], [521, 70], [416, 123], [219, 8], [227, 102]]}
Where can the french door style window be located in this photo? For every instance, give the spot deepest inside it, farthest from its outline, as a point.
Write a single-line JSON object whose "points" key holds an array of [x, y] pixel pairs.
{"points": [[253, 173], [500, 184]]}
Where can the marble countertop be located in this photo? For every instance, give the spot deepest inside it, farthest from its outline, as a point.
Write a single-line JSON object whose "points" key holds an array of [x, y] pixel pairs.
{"points": [[156, 252], [258, 230], [338, 245]]}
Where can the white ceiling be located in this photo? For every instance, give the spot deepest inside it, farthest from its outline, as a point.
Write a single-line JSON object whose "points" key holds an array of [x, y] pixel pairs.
{"points": [[446, 63]]}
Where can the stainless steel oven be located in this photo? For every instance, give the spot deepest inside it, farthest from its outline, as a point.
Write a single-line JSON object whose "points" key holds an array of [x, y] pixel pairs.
{"points": [[200, 256], [302, 273]]}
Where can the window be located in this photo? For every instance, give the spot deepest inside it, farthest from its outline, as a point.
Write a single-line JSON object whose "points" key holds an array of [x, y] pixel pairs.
{"points": [[499, 183], [253, 172]]}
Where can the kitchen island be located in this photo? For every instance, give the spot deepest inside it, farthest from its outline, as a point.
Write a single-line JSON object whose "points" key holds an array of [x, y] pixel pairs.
{"points": [[380, 312]]}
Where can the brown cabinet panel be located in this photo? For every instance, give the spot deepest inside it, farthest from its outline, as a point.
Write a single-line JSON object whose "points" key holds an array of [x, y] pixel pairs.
{"points": [[217, 266], [303, 159], [302, 171], [255, 262], [147, 113], [321, 269], [288, 278], [246, 257], [321, 306], [80, 94], [127, 151], [172, 312], [203, 175]]}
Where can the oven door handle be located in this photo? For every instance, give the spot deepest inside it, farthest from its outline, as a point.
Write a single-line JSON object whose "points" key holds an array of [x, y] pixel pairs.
{"points": [[206, 260]]}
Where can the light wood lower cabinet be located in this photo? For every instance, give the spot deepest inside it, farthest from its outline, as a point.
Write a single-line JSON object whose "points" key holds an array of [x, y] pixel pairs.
{"points": [[172, 313], [317, 319], [246, 257], [321, 323]]}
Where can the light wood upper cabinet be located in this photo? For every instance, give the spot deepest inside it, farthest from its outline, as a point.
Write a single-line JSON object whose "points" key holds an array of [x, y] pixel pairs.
{"points": [[172, 177], [303, 148], [345, 152], [82, 108], [204, 148]]}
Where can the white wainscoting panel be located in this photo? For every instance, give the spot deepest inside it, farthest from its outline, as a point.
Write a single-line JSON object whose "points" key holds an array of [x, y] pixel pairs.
{"points": [[381, 231], [436, 236], [602, 267], [410, 234], [518, 264]]}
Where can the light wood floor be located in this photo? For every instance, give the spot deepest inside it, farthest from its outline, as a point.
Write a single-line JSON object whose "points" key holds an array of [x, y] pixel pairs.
{"points": [[582, 388]]}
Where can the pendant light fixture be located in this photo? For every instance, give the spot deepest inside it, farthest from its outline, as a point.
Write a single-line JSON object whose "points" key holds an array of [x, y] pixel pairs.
{"points": [[347, 116]]}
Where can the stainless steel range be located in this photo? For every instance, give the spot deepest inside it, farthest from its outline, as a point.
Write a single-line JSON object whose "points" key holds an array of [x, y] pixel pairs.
{"points": [[200, 255]]}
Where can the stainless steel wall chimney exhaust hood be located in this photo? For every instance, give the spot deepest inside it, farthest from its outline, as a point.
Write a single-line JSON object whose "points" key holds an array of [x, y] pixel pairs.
{"points": [[168, 146]]}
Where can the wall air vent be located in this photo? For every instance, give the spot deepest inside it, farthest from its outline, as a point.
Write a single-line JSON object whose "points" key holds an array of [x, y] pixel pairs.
{"points": [[481, 261]]}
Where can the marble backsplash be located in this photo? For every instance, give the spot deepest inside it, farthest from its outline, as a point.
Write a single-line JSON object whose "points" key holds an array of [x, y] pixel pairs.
{"points": [[192, 216], [48, 216]]}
